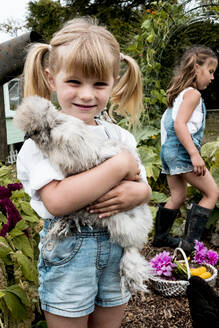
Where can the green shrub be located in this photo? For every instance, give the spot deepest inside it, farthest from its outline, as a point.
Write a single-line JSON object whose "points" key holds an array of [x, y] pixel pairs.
{"points": [[19, 300]]}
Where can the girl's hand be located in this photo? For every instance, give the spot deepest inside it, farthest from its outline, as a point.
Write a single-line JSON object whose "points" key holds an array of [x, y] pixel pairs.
{"points": [[198, 164], [125, 196], [133, 170]]}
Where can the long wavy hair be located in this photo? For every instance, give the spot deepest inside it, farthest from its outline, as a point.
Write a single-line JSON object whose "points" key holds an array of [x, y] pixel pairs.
{"points": [[185, 73]]}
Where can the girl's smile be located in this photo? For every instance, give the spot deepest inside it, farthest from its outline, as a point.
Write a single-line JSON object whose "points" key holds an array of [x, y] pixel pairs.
{"points": [[84, 107], [80, 96]]}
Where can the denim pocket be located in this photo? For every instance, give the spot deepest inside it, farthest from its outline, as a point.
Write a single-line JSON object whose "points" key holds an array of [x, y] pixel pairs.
{"points": [[58, 252], [170, 151]]}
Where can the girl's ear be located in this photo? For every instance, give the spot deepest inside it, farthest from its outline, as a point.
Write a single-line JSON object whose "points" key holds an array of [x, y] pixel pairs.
{"points": [[50, 79], [116, 80], [197, 66]]}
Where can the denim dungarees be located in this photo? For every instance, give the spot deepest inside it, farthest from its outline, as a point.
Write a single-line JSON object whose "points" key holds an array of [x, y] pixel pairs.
{"points": [[80, 270], [175, 158]]}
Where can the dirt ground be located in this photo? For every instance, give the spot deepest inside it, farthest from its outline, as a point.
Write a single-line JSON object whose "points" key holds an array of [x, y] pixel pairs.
{"points": [[156, 311]]}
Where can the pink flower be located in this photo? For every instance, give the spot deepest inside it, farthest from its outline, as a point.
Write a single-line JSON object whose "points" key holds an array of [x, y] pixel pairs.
{"points": [[203, 255], [212, 257], [200, 252], [162, 263]]}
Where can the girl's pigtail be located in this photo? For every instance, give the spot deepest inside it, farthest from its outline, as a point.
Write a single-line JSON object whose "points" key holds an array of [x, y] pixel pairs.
{"points": [[126, 97], [35, 81]]}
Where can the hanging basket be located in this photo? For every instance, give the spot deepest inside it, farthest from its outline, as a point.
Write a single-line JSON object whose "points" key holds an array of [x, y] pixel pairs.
{"points": [[178, 287]]}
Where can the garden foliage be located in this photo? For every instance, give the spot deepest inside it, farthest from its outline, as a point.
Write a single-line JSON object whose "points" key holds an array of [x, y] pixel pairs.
{"points": [[19, 301], [18, 260]]}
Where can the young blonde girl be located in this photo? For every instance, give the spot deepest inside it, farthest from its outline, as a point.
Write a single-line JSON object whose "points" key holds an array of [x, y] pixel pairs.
{"points": [[182, 128], [79, 276]]}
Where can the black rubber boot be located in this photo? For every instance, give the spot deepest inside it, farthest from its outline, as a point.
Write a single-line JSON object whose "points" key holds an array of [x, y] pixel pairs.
{"points": [[195, 224], [164, 221]]}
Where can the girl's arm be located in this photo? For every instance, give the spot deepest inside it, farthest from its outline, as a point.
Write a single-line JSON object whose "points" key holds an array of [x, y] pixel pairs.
{"points": [[191, 99], [77, 191], [125, 196]]}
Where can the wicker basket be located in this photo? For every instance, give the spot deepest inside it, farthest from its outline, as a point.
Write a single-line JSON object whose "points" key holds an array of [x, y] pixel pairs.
{"points": [[178, 287]]}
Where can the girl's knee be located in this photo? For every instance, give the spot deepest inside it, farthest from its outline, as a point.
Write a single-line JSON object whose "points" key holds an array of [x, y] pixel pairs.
{"points": [[214, 194], [177, 202], [180, 198]]}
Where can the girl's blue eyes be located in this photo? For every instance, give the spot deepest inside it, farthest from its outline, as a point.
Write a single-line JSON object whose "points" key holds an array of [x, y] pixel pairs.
{"points": [[100, 84], [97, 84], [73, 81]]}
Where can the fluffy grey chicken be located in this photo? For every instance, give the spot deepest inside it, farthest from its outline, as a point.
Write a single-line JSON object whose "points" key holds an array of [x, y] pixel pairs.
{"points": [[72, 148]]}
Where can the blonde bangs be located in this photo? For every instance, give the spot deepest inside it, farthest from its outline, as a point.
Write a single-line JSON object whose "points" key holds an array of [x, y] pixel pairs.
{"points": [[88, 56]]}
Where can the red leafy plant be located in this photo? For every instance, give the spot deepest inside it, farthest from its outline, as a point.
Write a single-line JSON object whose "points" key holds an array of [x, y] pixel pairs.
{"points": [[8, 208]]}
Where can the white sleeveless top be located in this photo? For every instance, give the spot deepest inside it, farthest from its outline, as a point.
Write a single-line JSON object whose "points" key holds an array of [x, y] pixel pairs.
{"points": [[195, 121]]}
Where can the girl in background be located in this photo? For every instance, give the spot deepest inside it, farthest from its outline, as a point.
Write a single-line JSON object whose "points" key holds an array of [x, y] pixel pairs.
{"points": [[79, 275], [182, 128]]}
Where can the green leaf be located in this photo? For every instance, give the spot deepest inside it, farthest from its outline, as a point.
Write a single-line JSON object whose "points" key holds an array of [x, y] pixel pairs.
{"points": [[28, 268], [151, 161], [18, 230], [41, 324], [5, 249], [209, 148], [159, 197], [146, 25], [178, 228], [22, 243], [149, 155], [150, 38], [4, 241], [27, 208], [145, 133], [32, 218], [4, 170], [18, 194], [21, 225], [3, 218], [152, 171], [2, 294], [15, 306], [18, 291], [215, 173]]}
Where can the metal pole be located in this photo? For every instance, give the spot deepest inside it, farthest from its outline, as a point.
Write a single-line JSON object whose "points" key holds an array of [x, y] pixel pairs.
{"points": [[13, 53], [3, 133], [12, 57]]}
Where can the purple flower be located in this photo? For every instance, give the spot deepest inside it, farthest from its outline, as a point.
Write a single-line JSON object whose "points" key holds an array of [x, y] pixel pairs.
{"points": [[8, 208], [200, 254], [162, 263], [203, 255], [199, 246], [15, 186], [4, 192], [212, 257]]}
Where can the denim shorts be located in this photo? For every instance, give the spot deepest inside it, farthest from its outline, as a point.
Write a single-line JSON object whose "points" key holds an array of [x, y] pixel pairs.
{"points": [[175, 159], [78, 272]]}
